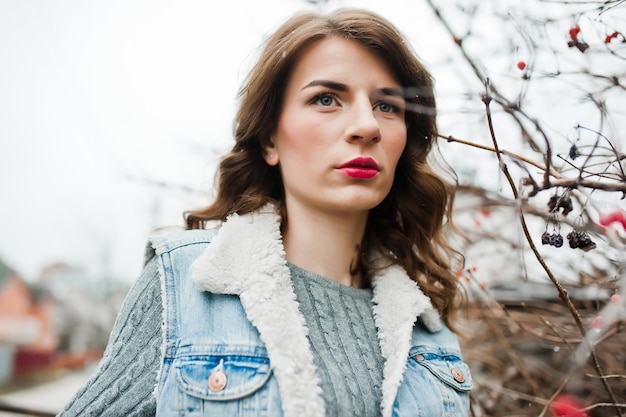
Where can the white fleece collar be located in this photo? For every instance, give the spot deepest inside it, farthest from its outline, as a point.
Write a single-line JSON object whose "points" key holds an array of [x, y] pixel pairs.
{"points": [[247, 258]]}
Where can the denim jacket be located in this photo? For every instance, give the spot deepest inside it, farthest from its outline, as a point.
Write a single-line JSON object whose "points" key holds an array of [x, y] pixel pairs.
{"points": [[235, 342]]}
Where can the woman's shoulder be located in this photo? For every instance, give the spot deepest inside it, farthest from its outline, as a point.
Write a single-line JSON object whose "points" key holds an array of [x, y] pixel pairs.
{"points": [[443, 338], [167, 240]]}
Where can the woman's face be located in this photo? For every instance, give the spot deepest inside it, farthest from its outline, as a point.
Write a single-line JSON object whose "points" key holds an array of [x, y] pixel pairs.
{"points": [[341, 131]]}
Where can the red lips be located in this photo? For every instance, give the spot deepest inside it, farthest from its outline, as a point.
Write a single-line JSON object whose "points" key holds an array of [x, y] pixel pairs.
{"points": [[360, 168]]}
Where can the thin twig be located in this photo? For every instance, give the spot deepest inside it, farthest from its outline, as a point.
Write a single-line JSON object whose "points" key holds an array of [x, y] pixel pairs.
{"points": [[503, 151], [514, 394], [574, 183]]}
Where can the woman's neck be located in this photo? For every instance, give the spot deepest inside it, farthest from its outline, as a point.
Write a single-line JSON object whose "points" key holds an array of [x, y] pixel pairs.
{"points": [[325, 243]]}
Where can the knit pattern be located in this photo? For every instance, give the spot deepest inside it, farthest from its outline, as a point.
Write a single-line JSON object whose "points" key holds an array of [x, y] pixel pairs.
{"points": [[124, 382], [344, 341]]}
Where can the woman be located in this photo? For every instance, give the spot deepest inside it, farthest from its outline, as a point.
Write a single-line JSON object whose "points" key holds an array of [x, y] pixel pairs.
{"points": [[326, 288]]}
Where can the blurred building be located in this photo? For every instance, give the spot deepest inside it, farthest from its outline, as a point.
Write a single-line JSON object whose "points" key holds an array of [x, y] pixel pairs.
{"points": [[86, 307], [27, 332], [61, 321]]}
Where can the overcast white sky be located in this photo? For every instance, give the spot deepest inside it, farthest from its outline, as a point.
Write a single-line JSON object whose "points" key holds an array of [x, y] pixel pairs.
{"points": [[102, 100], [114, 113]]}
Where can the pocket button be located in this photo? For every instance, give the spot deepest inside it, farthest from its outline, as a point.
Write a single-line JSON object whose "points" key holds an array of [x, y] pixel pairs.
{"points": [[458, 375], [217, 381]]}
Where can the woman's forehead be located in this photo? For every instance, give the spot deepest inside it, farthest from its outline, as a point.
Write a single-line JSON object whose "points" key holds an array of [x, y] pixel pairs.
{"points": [[343, 61]]}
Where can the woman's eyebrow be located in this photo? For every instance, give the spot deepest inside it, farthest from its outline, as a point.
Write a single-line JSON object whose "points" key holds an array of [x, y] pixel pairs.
{"points": [[333, 85], [392, 91]]}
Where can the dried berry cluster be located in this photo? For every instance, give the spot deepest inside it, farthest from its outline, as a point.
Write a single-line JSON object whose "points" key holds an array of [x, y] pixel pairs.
{"points": [[581, 240], [553, 239], [561, 202], [577, 239]]}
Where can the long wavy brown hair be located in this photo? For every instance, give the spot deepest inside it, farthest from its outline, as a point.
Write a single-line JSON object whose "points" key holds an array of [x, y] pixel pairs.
{"points": [[408, 227]]}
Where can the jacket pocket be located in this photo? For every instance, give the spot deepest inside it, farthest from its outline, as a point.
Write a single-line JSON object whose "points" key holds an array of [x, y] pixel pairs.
{"points": [[219, 380], [436, 384], [222, 375], [447, 365]]}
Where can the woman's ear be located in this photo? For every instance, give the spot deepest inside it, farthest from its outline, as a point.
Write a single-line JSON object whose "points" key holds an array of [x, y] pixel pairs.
{"points": [[270, 154]]}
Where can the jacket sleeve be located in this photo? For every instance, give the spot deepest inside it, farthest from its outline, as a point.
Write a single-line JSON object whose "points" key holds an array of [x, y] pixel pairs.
{"points": [[124, 382]]}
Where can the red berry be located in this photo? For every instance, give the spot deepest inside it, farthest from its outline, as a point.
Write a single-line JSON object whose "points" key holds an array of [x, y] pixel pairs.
{"points": [[617, 216], [610, 37], [566, 405], [573, 32], [521, 65], [598, 322]]}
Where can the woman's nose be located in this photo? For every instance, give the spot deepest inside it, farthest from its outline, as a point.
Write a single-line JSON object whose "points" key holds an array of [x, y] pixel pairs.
{"points": [[363, 124]]}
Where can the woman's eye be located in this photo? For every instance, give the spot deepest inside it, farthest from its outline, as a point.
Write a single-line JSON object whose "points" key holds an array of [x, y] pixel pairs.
{"points": [[386, 108], [325, 100]]}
